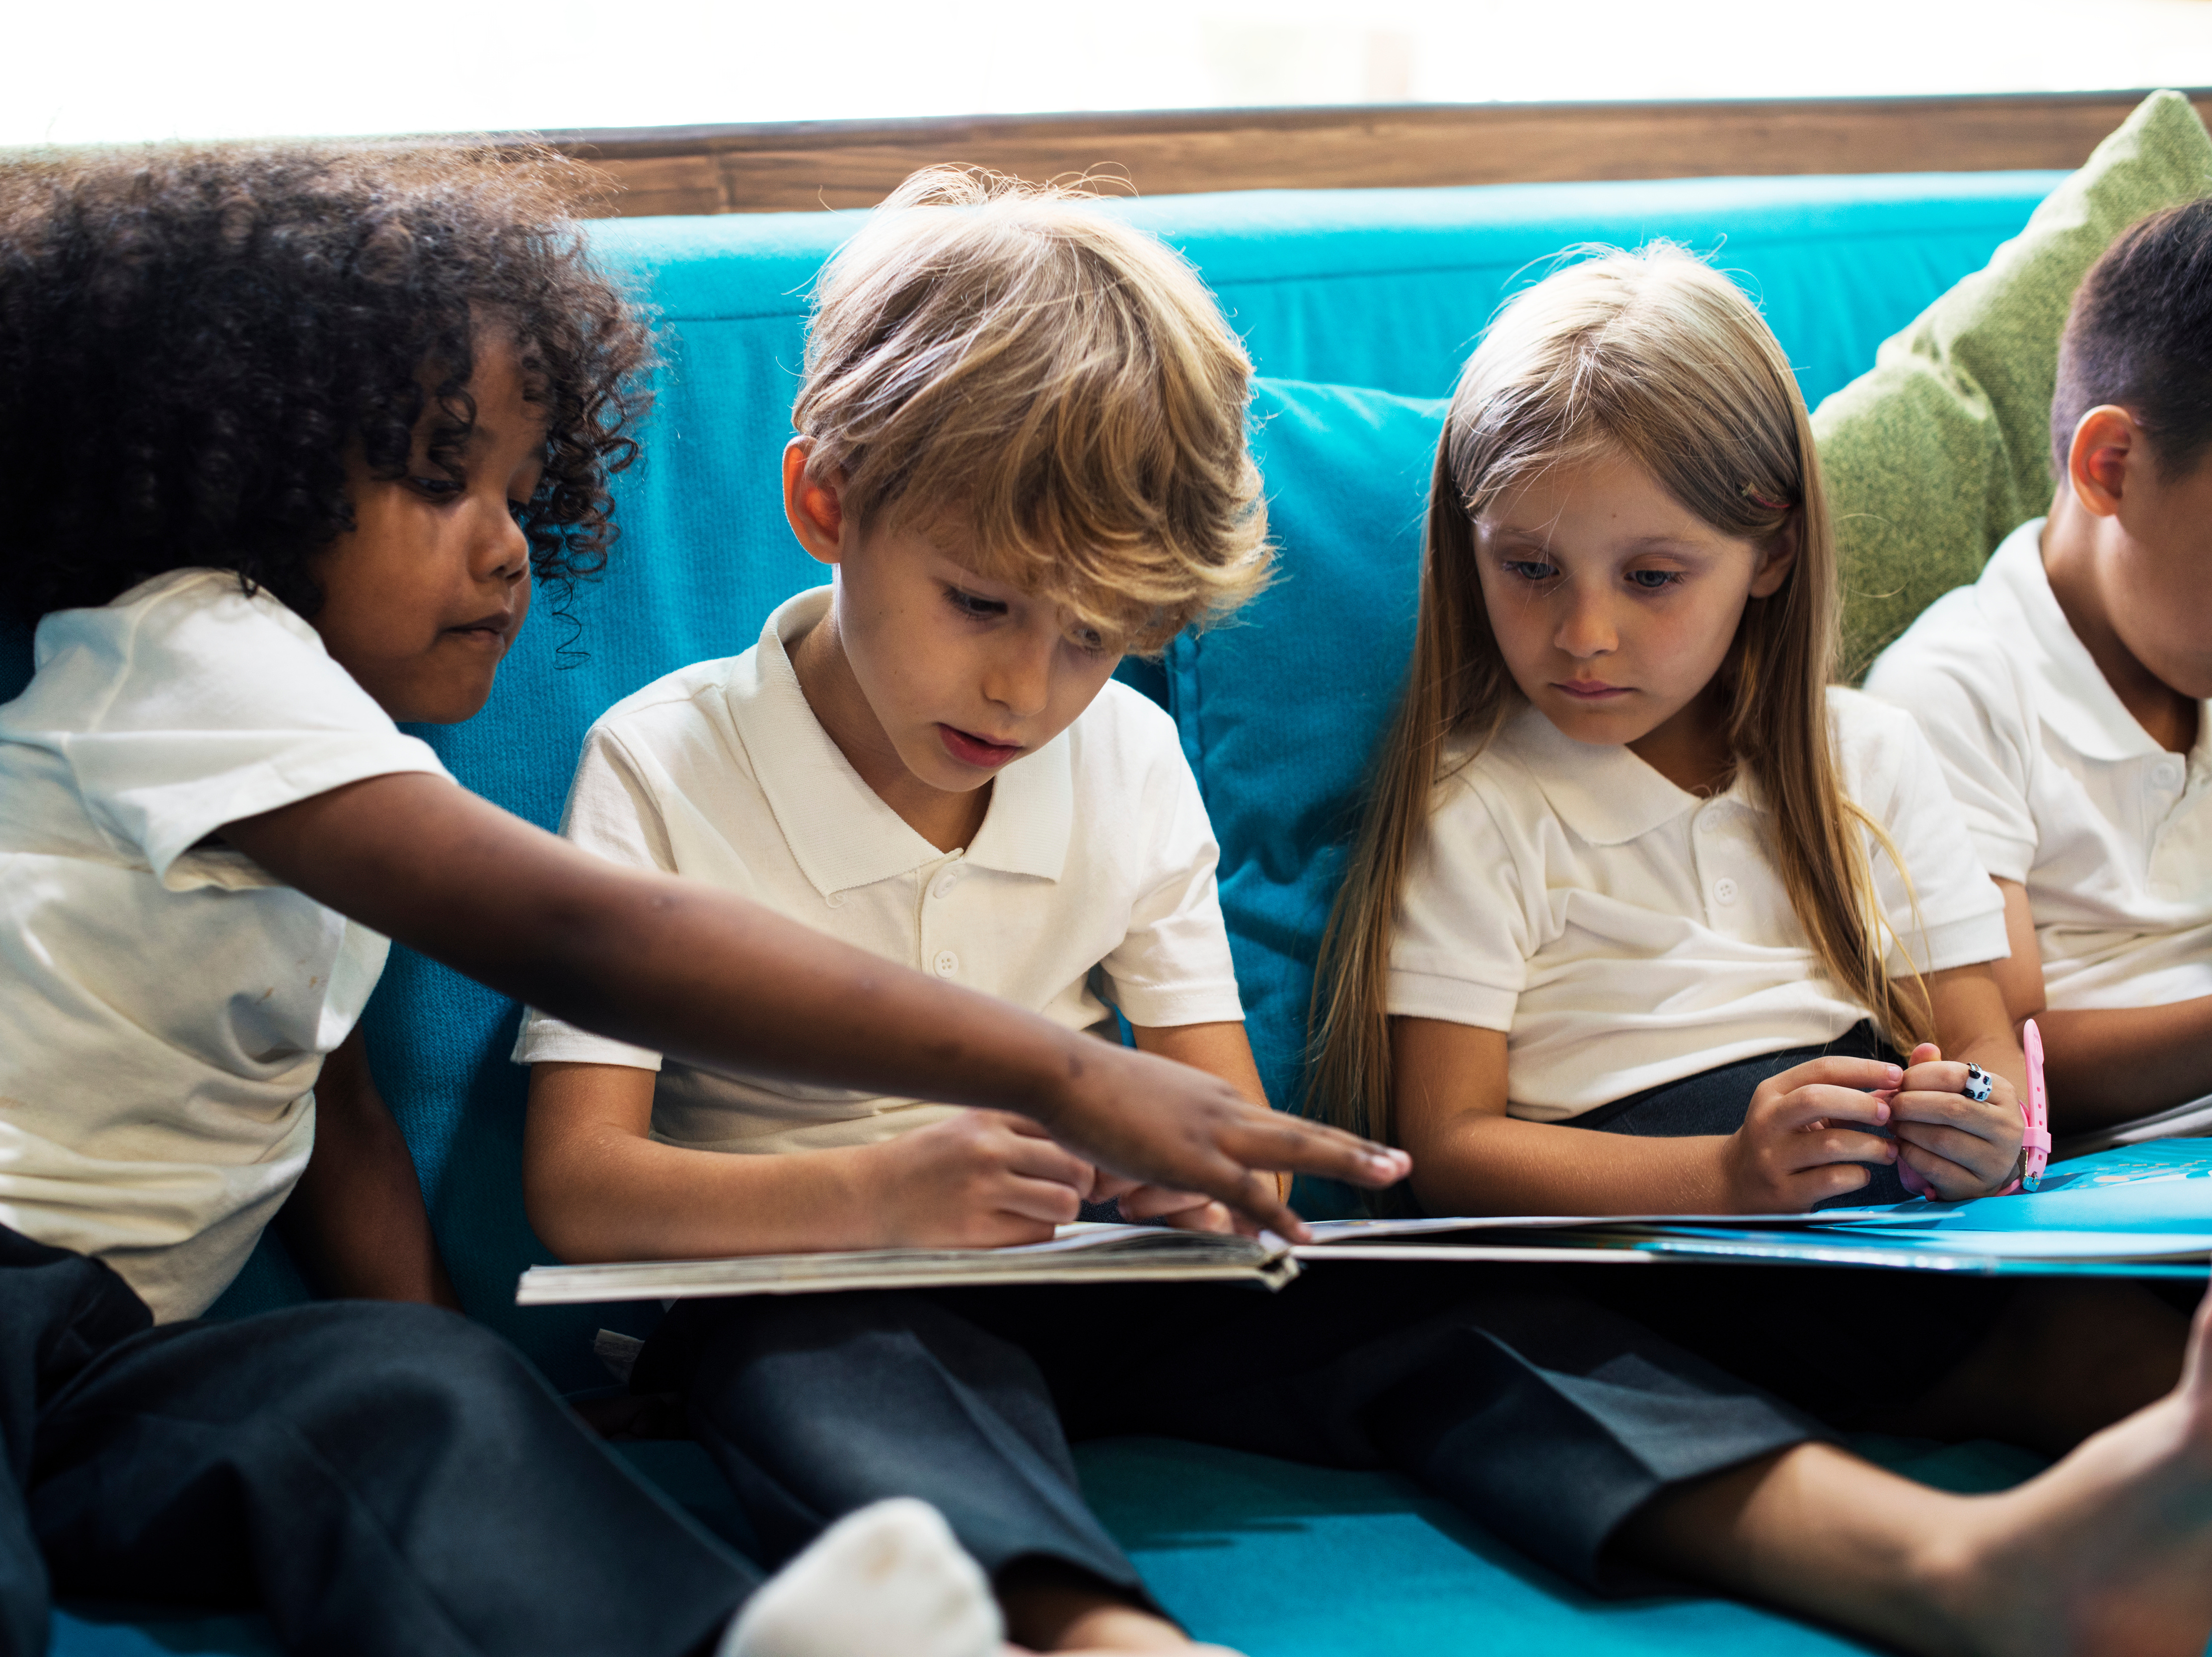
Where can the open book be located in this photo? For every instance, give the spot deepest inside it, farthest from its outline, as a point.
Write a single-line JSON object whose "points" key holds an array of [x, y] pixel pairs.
{"points": [[2137, 1211], [1080, 1253]]}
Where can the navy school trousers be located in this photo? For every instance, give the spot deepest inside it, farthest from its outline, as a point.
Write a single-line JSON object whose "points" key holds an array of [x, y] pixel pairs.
{"points": [[384, 1480], [1549, 1419]]}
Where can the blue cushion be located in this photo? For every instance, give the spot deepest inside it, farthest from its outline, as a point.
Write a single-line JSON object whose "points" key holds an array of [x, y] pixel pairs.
{"points": [[1280, 1560], [1280, 711]]}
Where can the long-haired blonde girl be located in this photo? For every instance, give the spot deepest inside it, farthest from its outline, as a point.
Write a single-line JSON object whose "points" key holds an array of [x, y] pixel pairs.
{"points": [[1631, 863]]}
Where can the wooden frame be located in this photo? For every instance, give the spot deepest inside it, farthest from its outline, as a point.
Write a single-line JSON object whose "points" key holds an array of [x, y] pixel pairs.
{"points": [[846, 164]]}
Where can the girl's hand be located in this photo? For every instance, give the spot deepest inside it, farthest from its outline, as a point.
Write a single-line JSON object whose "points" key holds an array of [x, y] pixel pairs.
{"points": [[1951, 1147], [1797, 1145], [980, 1179]]}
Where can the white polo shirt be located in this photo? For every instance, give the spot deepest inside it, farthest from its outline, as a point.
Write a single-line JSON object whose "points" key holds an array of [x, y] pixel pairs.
{"points": [[1625, 934], [165, 1005], [1090, 884], [2061, 790]]}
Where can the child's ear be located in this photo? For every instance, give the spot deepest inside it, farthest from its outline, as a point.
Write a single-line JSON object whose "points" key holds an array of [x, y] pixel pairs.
{"points": [[2106, 439], [1778, 556], [816, 514]]}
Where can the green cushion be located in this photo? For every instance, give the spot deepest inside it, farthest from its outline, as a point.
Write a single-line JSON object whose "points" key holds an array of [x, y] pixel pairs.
{"points": [[1942, 448]]}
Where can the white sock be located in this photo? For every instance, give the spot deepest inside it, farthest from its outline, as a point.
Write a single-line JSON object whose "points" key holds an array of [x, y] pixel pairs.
{"points": [[889, 1580]]}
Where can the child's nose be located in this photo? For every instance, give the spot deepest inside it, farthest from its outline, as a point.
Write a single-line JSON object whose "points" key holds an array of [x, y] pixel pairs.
{"points": [[1021, 676], [1586, 628], [502, 551]]}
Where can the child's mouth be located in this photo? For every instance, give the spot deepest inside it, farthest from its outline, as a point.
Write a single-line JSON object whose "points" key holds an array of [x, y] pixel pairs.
{"points": [[970, 750], [488, 630], [1589, 690]]}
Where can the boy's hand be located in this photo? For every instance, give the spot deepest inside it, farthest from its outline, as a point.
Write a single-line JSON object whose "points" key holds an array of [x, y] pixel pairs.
{"points": [[1186, 1211], [1156, 1121], [1798, 1145], [980, 1179], [1951, 1147]]}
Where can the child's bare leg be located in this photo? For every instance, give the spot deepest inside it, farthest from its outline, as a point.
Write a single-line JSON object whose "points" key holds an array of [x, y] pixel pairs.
{"points": [[2068, 1359], [2108, 1554], [1053, 1607]]}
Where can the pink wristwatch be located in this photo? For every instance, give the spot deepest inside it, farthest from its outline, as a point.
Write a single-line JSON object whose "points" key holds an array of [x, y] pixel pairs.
{"points": [[2035, 1109]]}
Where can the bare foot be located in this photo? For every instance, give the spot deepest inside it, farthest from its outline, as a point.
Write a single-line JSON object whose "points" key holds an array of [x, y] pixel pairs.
{"points": [[2109, 1553]]}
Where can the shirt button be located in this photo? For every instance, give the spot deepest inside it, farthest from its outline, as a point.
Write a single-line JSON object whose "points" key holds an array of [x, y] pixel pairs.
{"points": [[835, 899], [2166, 773], [1724, 891], [945, 884], [946, 963]]}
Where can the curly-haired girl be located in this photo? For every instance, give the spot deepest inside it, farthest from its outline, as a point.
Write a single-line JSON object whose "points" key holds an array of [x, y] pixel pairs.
{"points": [[286, 434]]}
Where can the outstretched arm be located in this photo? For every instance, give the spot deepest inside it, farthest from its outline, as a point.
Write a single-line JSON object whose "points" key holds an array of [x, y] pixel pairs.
{"points": [[356, 1222], [2104, 1064], [714, 980]]}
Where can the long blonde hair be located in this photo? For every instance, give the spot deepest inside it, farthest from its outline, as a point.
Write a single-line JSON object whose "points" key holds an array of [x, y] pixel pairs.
{"points": [[1655, 355]]}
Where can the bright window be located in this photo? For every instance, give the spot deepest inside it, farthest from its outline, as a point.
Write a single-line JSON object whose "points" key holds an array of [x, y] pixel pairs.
{"points": [[137, 70]]}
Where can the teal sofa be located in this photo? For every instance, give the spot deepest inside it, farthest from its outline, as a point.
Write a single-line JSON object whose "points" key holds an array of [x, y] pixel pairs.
{"points": [[1358, 306]]}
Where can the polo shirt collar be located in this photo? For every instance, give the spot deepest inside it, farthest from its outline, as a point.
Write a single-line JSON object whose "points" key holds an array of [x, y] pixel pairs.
{"points": [[841, 833], [2072, 695], [1603, 792]]}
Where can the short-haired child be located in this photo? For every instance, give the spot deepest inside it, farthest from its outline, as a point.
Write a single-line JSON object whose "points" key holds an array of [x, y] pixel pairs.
{"points": [[2065, 694], [290, 432], [1634, 866]]}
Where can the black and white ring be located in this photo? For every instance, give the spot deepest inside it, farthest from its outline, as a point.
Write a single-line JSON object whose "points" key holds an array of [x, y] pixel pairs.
{"points": [[1979, 1084]]}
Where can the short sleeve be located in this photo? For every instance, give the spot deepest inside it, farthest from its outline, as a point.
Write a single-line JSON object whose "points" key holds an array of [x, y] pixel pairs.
{"points": [[1949, 914], [1983, 735], [188, 704], [611, 812], [1173, 967], [1464, 934]]}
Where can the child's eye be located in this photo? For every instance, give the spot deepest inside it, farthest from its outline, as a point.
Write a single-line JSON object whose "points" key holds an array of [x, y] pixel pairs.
{"points": [[1531, 569], [1653, 581], [437, 488], [969, 605], [1088, 640]]}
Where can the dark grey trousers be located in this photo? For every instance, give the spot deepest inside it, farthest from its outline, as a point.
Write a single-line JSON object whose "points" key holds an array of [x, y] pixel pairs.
{"points": [[1547, 1418], [383, 1480]]}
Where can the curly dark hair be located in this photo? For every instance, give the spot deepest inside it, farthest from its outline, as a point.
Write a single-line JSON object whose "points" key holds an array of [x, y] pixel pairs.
{"points": [[192, 337]]}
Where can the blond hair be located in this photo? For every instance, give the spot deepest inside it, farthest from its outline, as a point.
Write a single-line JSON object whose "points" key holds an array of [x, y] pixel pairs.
{"points": [[1657, 357], [1005, 359]]}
